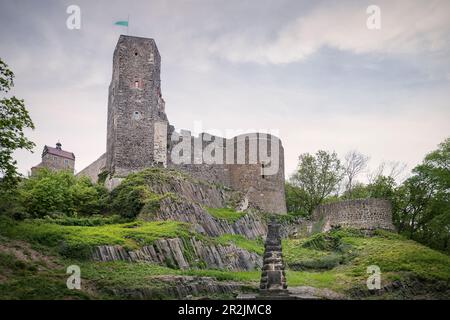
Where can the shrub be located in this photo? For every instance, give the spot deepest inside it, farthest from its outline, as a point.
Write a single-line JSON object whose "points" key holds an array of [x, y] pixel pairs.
{"points": [[128, 200], [323, 241], [49, 193]]}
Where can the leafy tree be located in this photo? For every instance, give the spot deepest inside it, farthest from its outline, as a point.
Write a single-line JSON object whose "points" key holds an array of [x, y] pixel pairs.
{"points": [[14, 118], [318, 176], [60, 193], [47, 193], [88, 198], [295, 200], [424, 214]]}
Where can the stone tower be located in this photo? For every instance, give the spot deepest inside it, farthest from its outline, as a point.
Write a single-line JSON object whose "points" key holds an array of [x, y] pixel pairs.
{"points": [[137, 122]]}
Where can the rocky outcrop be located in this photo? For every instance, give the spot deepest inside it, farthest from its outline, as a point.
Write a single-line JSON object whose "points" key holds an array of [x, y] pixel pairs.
{"points": [[191, 197], [250, 225], [184, 287], [192, 190], [183, 254]]}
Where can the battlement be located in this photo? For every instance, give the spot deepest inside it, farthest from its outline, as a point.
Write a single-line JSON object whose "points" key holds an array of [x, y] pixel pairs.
{"points": [[140, 136]]}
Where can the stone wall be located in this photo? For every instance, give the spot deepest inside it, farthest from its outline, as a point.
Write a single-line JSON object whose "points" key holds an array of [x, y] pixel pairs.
{"points": [[244, 163], [139, 136], [135, 105], [54, 163], [94, 169], [364, 214]]}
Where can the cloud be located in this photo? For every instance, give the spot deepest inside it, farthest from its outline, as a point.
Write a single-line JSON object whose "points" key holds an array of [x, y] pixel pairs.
{"points": [[406, 27]]}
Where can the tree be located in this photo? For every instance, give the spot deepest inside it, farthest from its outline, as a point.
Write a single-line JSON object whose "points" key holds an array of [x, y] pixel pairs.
{"points": [[14, 118], [60, 193], [295, 200], [318, 176], [425, 211], [354, 163], [392, 169]]}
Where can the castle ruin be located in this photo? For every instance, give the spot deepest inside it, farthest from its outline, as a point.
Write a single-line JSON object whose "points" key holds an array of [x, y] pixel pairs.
{"points": [[363, 214], [139, 136]]}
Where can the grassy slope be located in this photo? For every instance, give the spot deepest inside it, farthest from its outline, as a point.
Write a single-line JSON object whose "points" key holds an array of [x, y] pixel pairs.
{"points": [[340, 266], [130, 235], [225, 214]]}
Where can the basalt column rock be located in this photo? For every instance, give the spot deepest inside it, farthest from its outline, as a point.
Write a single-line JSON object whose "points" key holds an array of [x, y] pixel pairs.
{"points": [[273, 278]]}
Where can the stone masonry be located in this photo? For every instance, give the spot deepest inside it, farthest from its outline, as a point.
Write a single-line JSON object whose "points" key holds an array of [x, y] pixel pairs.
{"points": [[273, 278], [364, 214], [139, 136], [56, 159]]}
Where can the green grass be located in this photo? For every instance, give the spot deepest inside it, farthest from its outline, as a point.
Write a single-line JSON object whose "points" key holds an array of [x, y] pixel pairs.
{"points": [[133, 274], [76, 241], [400, 256], [398, 259], [33, 280], [240, 241], [225, 214], [313, 279], [337, 260], [318, 252]]}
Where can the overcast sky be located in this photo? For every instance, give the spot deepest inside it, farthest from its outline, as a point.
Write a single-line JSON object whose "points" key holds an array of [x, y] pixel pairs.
{"points": [[310, 69]]}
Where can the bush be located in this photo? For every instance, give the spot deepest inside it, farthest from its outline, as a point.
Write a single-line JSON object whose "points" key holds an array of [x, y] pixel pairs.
{"points": [[91, 221], [49, 193], [128, 200], [134, 195], [87, 198], [323, 241]]}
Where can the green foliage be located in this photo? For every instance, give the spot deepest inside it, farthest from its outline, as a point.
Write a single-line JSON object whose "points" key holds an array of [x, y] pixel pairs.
{"points": [[14, 119], [382, 188], [47, 193], [321, 265], [318, 252], [423, 202], [89, 221], [313, 279], [346, 266], [77, 241], [225, 213], [323, 241], [134, 194], [317, 176], [398, 255], [26, 280], [296, 199], [129, 200], [60, 193], [240, 241], [102, 176]]}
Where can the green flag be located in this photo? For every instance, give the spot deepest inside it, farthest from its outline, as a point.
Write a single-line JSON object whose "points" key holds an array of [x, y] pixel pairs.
{"points": [[122, 23]]}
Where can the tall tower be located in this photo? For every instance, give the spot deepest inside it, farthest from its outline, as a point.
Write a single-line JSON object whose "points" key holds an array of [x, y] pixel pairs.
{"points": [[137, 122]]}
